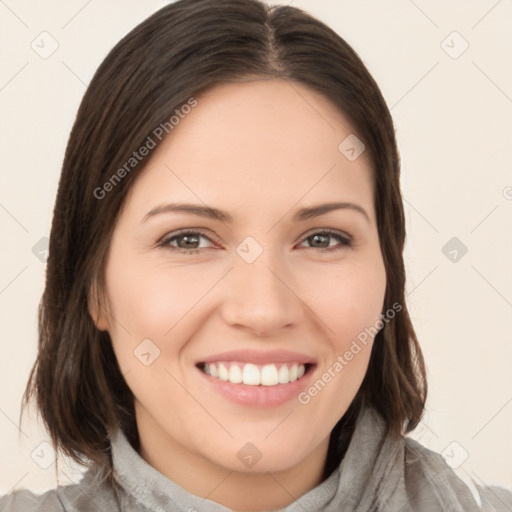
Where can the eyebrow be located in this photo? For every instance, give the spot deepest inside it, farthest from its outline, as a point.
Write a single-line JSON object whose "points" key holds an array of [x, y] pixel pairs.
{"points": [[216, 214]]}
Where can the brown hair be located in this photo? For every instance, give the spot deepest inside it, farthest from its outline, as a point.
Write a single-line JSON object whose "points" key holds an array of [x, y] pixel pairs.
{"points": [[181, 50]]}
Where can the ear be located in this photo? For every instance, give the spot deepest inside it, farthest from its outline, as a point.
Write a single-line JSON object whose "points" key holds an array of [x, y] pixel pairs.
{"points": [[97, 308]]}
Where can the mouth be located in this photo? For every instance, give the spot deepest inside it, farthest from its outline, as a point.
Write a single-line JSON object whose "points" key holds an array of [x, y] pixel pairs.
{"points": [[251, 374], [257, 378]]}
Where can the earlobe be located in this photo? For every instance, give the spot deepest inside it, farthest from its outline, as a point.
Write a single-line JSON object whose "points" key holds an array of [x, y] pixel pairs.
{"points": [[96, 311]]}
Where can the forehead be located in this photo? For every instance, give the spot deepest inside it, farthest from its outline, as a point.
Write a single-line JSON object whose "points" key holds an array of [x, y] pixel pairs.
{"points": [[254, 144]]}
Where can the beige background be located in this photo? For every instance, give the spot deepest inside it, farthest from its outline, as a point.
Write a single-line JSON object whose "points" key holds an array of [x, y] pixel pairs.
{"points": [[454, 126]]}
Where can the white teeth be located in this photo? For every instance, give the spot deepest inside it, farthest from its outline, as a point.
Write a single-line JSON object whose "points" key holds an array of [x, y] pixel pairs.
{"points": [[269, 375], [223, 372], [284, 375], [235, 374], [251, 375]]}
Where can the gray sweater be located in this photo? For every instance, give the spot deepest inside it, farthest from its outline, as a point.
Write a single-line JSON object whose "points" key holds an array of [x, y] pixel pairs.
{"points": [[377, 474]]}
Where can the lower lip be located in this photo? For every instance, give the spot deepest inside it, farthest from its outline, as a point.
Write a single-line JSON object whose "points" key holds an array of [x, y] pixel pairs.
{"points": [[260, 396]]}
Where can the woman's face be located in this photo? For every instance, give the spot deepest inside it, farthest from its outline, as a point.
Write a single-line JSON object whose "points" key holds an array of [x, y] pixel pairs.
{"points": [[246, 279]]}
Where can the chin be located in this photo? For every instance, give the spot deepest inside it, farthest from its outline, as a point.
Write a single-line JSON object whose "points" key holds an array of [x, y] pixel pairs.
{"points": [[257, 457]]}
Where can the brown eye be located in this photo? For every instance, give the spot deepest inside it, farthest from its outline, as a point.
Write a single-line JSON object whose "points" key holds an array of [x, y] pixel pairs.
{"points": [[187, 242]]}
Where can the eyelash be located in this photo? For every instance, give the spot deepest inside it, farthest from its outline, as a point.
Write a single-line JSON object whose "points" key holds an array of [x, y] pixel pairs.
{"points": [[344, 241]]}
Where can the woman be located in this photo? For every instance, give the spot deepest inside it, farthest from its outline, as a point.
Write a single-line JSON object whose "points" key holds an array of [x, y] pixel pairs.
{"points": [[224, 323]]}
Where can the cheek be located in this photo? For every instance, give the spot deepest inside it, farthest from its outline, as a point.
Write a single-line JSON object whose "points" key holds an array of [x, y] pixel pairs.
{"points": [[151, 299], [155, 302], [149, 306], [349, 301], [350, 307]]}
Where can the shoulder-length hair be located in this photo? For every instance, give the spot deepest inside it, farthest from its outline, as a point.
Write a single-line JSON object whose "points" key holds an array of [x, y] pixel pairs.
{"points": [[178, 52]]}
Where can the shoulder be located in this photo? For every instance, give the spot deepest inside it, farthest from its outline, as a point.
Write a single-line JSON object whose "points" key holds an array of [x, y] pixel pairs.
{"points": [[428, 477], [85, 496], [24, 500]]}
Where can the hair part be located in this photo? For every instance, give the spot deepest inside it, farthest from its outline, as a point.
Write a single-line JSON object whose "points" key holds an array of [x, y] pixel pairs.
{"points": [[183, 49]]}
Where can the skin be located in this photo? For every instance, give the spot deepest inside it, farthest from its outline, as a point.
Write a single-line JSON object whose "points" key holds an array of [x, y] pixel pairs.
{"points": [[260, 150]]}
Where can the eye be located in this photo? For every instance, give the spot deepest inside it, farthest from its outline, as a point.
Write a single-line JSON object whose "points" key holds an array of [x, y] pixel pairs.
{"points": [[188, 242], [322, 239]]}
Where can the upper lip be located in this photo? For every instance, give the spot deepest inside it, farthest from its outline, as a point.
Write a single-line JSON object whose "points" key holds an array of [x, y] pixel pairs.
{"points": [[260, 357]]}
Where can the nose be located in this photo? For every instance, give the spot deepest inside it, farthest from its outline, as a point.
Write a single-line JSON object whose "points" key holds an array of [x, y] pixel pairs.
{"points": [[260, 297]]}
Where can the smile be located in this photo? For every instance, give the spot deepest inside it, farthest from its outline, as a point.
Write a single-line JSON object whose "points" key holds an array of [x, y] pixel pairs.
{"points": [[251, 374]]}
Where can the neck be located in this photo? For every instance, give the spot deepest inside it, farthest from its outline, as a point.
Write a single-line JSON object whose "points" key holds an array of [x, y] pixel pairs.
{"points": [[240, 491]]}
